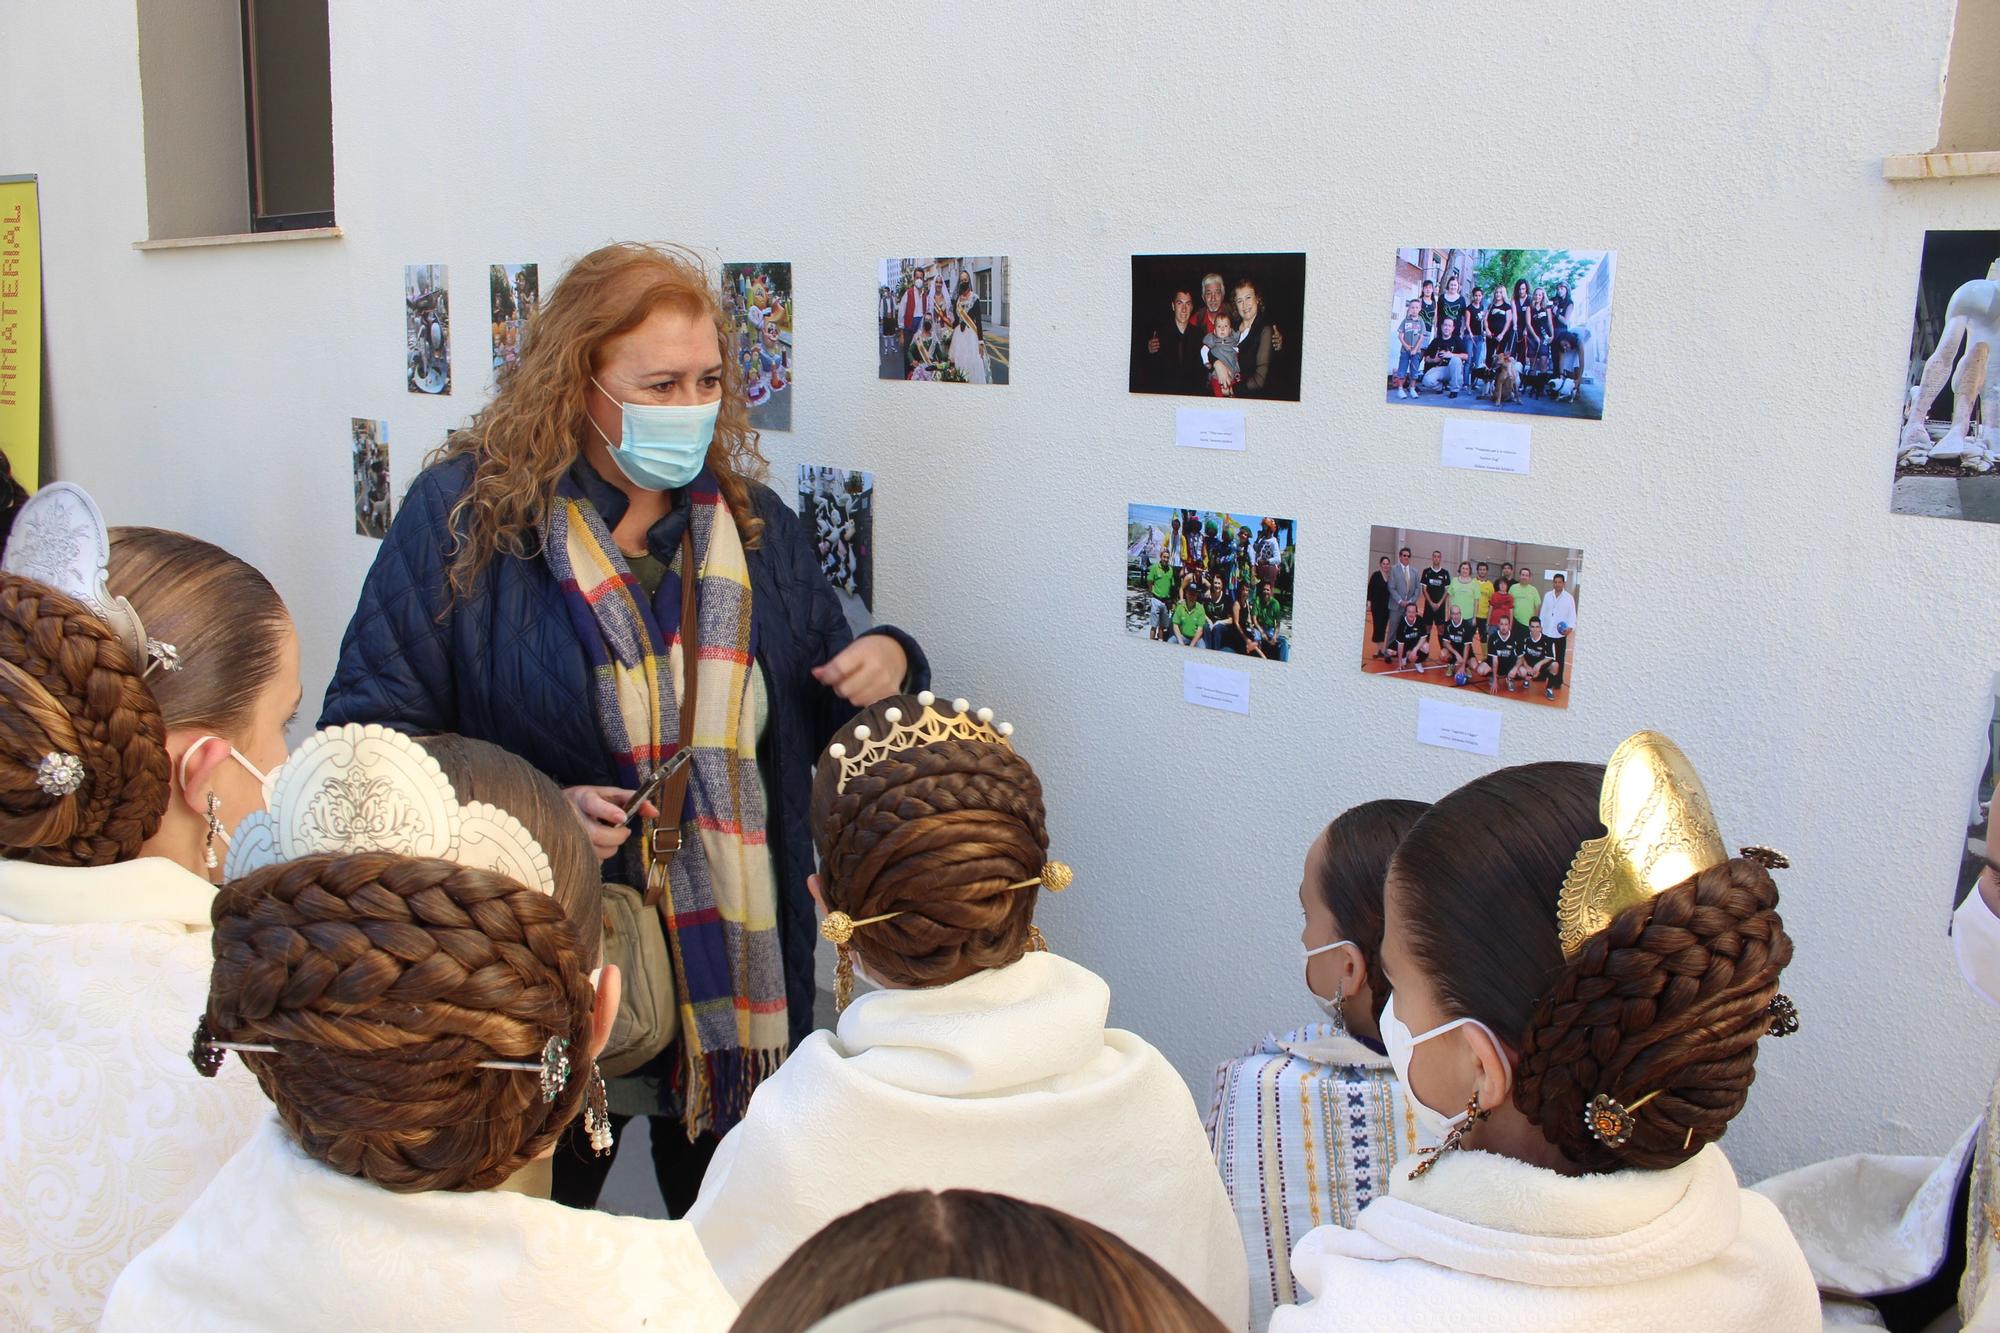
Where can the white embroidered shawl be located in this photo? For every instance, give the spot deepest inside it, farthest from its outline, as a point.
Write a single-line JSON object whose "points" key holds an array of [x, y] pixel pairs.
{"points": [[1487, 1242], [1006, 1081], [280, 1241], [106, 1131]]}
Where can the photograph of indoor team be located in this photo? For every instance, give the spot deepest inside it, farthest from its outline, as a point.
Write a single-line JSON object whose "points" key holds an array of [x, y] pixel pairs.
{"points": [[1491, 615], [516, 291], [944, 319], [1508, 330], [840, 506], [758, 299], [1204, 578], [426, 328], [1220, 326], [371, 477]]}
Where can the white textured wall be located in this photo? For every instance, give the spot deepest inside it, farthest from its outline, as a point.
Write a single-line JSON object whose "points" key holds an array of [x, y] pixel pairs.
{"points": [[1824, 662]]}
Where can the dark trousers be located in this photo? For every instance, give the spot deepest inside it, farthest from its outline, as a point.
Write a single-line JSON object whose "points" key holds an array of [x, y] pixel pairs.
{"points": [[1379, 614], [579, 1174], [1562, 654]]}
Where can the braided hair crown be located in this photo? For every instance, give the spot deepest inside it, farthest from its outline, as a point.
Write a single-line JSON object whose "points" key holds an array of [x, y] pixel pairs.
{"points": [[936, 832]]}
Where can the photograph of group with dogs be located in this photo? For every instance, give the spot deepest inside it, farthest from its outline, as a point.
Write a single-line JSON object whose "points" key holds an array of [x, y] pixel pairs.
{"points": [[1504, 330], [1472, 613]]}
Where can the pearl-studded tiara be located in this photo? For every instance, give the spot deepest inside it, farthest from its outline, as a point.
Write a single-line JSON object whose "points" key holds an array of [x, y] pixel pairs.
{"points": [[932, 724]]}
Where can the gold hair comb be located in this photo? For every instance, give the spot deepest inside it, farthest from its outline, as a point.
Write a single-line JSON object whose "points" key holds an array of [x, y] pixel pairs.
{"points": [[931, 725]]}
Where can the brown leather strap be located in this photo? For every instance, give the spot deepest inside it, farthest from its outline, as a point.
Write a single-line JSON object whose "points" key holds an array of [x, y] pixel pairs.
{"points": [[664, 836]]}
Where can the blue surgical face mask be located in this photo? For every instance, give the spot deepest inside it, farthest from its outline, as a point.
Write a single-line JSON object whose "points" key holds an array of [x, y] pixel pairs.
{"points": [[663, 448]]}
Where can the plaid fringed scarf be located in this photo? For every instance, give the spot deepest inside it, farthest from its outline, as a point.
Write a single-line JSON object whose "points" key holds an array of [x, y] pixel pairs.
{"points": [[721, 904]]}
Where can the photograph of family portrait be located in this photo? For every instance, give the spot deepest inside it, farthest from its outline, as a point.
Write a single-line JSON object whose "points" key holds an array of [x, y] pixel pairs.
{"points": [[1472, 613], [517, 292], [839, 506], [944, 320], [371, 477], [1218, 326], [758, 298], [426, 328], [1948, 446], [1203, 578], [1525, 331]]}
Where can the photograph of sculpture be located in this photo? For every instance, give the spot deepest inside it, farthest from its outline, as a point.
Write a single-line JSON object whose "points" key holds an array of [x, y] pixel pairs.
{"points": [[1475, 614], [944, 320], [1206, 578], [371, 477], [758, 298], [1947, 450], [1519, 331], [1978, 842], [427, 328], [1218, 326], [839, 505], [517, 293]]}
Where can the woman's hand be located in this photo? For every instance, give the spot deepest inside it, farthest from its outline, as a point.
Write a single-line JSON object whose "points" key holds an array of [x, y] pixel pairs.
{"points": [[601, 811], [866, 671]]}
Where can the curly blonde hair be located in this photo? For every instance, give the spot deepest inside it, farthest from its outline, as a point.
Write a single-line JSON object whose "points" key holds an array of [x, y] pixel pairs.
{"points": [[528, 436]]}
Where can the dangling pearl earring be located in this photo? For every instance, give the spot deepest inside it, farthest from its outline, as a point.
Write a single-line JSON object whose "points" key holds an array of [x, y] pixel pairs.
{"points": [[214, 827]]}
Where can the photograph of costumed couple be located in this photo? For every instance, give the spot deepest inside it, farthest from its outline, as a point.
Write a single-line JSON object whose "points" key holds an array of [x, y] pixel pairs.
{"points": [[1218, 326], [944, 319], [1504, 330]]}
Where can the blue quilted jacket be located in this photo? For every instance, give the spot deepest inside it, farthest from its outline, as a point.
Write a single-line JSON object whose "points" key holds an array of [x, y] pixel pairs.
{"points": [[505, 666]]}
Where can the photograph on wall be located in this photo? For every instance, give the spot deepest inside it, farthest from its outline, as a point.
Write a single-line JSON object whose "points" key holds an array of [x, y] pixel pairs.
{"points": [[427, 328], [944, 319], [371, 477], [1476, 614], [839, 506], [758, 298], [1218, 326], [1948, 448], [1205, 578], [1978, 844], [517, 293], [1520, 331]]}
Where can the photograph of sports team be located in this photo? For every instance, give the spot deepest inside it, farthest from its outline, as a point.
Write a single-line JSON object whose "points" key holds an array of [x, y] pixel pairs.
{"points": [[1472, 613], [1203, 578], [1525, 331]]}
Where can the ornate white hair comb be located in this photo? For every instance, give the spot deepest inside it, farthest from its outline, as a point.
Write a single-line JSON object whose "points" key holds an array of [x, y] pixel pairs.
{"points": [[60, 539], [372, 789], [931, 724]]}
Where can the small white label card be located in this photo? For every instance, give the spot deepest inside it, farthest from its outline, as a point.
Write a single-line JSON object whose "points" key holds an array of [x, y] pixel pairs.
{"points": [[1208, 428], [1486, 445], [1456, 727], [1215, 687]]}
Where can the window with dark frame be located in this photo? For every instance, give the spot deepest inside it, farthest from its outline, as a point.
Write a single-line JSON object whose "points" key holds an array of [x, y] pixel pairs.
{"points": [[288, 114]]}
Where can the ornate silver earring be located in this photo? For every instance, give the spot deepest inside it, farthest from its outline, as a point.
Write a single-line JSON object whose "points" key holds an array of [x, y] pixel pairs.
{"points": [[597, 1115], [214, 827], [1336, 1009]]}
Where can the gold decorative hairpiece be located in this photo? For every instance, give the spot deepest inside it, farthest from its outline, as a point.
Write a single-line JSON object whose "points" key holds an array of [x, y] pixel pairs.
{"points": [[837, 928], [931, 725], [1660, 832]]}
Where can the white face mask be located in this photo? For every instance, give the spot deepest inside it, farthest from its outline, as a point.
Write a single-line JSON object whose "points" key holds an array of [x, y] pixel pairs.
{"points": [[1332, 1007], [1975, 940], [263, 778], [1432, 1125]]}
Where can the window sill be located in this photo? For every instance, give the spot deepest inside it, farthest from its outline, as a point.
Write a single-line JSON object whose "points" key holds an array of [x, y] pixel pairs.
{"points": [[1939, 166], [240, 238]]}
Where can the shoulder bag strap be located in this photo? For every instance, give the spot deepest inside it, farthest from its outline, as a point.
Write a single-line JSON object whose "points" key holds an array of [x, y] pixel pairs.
{"points": [[664, 839]]}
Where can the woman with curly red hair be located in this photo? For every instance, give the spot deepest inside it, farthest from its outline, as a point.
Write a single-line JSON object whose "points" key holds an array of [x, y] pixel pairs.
{"points": [[530, 593]]}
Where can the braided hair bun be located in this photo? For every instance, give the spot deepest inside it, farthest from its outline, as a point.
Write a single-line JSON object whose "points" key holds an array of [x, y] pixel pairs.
{"points": [[384, 980], [1671, 996], [68, 686], [1669, 999], [934, 833]]}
